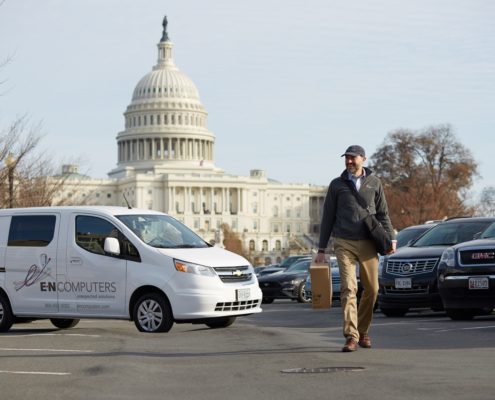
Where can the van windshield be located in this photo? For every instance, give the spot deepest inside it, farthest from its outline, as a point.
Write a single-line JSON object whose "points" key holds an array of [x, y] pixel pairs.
{"points": [[162, 231]]}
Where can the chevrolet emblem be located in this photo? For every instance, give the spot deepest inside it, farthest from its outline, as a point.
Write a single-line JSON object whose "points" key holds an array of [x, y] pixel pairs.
{"points": [[238, 272]]}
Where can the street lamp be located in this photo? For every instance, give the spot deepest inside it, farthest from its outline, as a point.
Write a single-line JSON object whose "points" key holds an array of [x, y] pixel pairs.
{"points": [[10, 162]]}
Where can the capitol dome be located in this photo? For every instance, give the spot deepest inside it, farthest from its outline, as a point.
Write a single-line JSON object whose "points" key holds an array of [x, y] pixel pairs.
{"points": [[165, 124]]}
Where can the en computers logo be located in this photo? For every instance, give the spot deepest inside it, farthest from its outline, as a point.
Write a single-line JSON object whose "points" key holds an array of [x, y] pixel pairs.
{"points": [[34, 275]]}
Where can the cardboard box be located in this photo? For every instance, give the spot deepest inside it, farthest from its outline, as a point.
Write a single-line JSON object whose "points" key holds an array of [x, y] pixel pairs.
{"points": [[321, 285]]}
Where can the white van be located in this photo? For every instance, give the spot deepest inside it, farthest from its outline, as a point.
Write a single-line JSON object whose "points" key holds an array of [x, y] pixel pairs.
{"points": [[68, 263]]}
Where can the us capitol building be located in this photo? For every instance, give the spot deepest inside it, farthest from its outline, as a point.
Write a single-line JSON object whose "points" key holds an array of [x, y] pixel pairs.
{"points": [[166, 162]]}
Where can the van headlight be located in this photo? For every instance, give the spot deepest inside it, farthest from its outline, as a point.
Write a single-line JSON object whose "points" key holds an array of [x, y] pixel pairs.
{"points": [[196, 269], [381, 261], [448, 257]]}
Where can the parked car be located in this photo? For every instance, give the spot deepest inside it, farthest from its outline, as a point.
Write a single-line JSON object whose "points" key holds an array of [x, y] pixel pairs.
{"points": [[466, 277], [408, 278], [411, 233], [283, 265], [257, 270], [288, 284]]}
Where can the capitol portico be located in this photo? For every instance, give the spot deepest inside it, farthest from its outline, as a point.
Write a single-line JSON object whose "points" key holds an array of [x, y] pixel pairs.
{"points": [[166, 162]]}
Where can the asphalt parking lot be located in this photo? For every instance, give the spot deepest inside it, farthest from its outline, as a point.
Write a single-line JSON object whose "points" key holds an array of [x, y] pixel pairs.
{"points": [[422, 355]]}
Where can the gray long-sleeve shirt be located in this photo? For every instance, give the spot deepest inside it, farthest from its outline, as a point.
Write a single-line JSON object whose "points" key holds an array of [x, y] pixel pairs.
{"points": [[343, 216]]}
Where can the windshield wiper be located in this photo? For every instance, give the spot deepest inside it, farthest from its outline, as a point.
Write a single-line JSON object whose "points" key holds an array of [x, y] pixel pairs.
{"points": [[184, 246]]}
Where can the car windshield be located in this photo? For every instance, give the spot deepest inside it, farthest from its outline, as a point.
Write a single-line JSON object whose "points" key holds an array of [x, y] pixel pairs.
{"points": [[451, 234], [489, 233], [404, 236], [288, 262], [162, 231], [302, 266]]}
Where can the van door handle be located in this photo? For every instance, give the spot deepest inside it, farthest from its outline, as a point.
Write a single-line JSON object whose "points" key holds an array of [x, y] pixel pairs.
{"points": [[75, 261], [43, 259]]}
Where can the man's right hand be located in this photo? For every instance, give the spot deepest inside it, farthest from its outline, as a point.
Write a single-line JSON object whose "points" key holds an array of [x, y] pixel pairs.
{"points": [[320, 258]]}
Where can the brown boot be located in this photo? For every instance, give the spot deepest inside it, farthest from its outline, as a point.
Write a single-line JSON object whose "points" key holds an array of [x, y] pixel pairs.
{"points": [[364, 341], [350, 345]]}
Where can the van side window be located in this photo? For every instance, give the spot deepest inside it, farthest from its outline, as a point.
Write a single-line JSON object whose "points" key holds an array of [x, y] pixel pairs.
{"points": [[91, 233], [131, 252], [32, 230]]}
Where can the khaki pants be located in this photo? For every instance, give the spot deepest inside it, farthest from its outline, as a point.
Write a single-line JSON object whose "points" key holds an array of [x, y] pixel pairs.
{"points": [[349, 252]]}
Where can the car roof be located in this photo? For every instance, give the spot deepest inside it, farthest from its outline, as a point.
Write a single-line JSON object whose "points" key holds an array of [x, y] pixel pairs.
{"points": [[110, 210], [468, 220]]}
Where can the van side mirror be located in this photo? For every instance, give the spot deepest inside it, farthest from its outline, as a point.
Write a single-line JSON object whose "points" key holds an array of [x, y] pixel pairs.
{"points": [[112, 246], [409, 244], [477, 235]]}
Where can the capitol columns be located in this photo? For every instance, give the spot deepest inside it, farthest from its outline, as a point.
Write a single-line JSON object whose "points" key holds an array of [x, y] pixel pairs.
{"points": [[201, 211], [238, 201]]}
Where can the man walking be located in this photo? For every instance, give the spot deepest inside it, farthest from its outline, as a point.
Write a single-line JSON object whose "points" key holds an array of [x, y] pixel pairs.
{"points": [[343, 216]]}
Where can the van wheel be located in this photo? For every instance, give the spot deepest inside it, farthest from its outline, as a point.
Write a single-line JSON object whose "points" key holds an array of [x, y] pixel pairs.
{"points": [[221, 324], [394, 312], [152, 313], [460, 314], [64, 323], [267, 300], [301, 296], [6, 316]]}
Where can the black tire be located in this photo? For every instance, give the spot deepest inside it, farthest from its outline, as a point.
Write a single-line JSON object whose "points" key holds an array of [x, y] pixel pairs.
{"points": [[64, 323], [394, 312], [460, 314], [221, 324], [152, 314], [6, 316], [301, 296], [267, 300], [486, 311]]}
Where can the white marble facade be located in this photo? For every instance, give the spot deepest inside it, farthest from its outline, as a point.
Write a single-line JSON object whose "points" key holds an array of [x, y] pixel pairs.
{"points": [[166, 162]]}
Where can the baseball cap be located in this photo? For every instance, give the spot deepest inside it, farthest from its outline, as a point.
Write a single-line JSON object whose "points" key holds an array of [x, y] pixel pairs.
{"points": [[355, 151]]}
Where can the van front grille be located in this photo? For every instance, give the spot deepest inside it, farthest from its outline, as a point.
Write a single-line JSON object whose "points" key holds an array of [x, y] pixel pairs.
{"points": [[237, 305], [233, 274]]}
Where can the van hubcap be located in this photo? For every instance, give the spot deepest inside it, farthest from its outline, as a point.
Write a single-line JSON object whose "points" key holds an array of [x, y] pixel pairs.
{"points": [[1, 312], [150, 315]]}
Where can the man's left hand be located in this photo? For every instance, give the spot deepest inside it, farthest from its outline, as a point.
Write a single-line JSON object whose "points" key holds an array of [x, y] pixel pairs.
{"points": [[394, 246]]}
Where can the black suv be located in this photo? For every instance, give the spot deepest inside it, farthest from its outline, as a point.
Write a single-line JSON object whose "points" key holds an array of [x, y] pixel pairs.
{"points": [[408, 278], [466, 277]]}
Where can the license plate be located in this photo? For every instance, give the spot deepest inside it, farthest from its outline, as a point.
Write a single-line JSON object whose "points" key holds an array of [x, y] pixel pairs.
{"points": [[478, 283], [243, 294], [403, 283]]}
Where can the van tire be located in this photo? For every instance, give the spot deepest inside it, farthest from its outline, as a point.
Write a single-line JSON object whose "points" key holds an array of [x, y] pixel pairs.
{"points": [[160, 318], [6, 316], [221, 324], [64, 323]]}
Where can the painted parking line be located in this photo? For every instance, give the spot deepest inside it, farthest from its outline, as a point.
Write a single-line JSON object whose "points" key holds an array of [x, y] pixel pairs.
{"points": [[69, 351], [465, 329], [35, 373], [49, 334]]}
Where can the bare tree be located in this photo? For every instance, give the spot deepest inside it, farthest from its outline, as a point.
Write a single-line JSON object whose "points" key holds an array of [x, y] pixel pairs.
{"points": [[426, 174], [486, 205], [234, 242]]}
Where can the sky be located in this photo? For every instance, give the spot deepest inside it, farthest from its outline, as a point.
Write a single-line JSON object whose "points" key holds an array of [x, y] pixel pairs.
{"points": [[288, 85]]}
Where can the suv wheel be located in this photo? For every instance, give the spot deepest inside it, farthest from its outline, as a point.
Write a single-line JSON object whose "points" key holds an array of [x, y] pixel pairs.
{"points": [[152, 313], [301, 296], [6, 316], [221, 324], [460, 314], [64, 323], [394, 312], [267, 300]]}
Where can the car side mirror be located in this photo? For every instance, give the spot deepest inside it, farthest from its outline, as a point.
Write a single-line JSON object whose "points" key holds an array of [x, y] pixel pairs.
{"points": [[112, 246], [477, 235], [409, 244]]}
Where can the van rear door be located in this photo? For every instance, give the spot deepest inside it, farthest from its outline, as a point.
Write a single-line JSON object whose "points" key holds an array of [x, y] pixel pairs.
{"points": [[31, 262]]}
